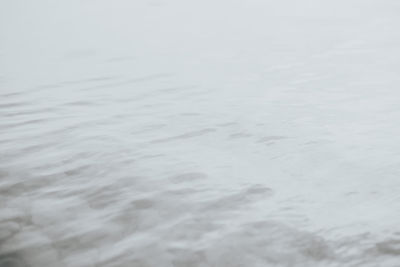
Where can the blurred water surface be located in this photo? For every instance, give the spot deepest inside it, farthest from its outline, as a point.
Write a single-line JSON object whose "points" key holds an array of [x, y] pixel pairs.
{"points": [[186, 133]]}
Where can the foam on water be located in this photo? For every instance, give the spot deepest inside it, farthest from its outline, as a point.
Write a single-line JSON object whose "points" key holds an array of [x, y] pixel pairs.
{"points": [[217, 133]]}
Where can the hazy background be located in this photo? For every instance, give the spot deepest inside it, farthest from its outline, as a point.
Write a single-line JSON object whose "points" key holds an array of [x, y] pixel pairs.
{"points": [[184, 133]]}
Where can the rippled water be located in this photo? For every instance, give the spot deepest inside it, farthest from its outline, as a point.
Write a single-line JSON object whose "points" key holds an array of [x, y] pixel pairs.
{"points": [[213, 133]]}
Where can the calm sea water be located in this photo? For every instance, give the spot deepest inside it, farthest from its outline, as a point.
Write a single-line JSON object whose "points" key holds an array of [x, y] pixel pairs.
{"points": [[184, 133]]}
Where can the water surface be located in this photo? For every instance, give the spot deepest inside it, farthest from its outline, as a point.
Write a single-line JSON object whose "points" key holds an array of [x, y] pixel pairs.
{"points": [[215, 133]]}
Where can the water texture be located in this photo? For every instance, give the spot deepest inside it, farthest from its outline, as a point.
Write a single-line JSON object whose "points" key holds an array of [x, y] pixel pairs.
{"points": [[199, 133]]}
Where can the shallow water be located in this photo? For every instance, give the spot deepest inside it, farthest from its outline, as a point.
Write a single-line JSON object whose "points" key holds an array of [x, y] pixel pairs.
{"points": [[213, 133]]}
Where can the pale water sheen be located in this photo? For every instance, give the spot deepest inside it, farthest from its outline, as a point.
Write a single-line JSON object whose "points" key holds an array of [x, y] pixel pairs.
{"points": [[199, 133]]}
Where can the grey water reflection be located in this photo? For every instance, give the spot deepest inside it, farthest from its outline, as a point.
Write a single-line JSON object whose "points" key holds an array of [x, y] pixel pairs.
{"points": [[216, 133]]}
